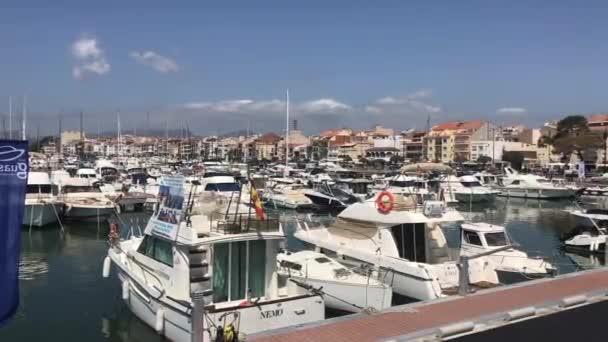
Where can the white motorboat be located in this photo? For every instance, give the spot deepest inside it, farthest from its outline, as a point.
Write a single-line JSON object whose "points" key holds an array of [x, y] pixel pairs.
{"points": [[512, 265], [466, 189], [83, 201], [344, 289], [330, 196], [532, 186], [407, 244], [41, 206], [229, 260], [287, 195], [405, 185], [591, 232], [88, 174]]}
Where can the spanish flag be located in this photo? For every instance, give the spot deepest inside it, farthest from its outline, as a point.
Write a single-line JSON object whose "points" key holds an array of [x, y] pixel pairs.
{"points": [[256, 202]]}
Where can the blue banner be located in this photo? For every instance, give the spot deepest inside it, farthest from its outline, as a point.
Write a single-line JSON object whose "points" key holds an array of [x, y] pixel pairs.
{"points": [[13, 183]]}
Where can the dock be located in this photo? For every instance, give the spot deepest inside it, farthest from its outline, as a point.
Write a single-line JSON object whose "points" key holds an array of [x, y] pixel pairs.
{"points": [[567, 305]]}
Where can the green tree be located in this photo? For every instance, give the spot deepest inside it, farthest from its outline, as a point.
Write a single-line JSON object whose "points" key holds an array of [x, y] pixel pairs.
{"points": [[573, 136], [516, 158]]}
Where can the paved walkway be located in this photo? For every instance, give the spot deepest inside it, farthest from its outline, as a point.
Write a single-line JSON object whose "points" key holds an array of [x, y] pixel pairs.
{"points": [[421, 316]]}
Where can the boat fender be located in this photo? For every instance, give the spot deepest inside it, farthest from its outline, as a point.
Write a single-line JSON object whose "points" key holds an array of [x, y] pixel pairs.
{"points": [[106, 267], [125, 290], [385, 202], [160, 321], [114, 234]]}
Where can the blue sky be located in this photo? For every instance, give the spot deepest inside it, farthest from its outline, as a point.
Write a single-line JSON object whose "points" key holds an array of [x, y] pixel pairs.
{"points": [[347, 63]]}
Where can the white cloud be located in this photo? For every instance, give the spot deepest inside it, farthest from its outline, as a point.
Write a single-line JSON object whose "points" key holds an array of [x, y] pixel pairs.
{"points": [[512, 110], [90, 58], [157, 62], [238, 106], [416, 101], [323, 106], [243, 106], [373, 109]]}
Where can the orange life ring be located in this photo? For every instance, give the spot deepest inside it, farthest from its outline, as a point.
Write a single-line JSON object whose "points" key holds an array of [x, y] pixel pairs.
{"points": [[385, 202]]}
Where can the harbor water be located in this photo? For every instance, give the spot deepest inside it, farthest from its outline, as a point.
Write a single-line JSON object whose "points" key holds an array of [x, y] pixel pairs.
{"points": [[65, 298]]}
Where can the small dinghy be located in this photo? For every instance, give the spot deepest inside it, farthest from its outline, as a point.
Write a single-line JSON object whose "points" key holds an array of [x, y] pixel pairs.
{"points": [[343, 288]]}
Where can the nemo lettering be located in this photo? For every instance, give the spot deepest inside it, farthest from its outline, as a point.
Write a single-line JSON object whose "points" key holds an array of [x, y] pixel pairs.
{"points": [[271, 313]]}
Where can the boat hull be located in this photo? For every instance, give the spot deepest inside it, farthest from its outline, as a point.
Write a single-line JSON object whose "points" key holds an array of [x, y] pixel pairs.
{"points": [[339, 295], [326, 201], [537, 193], [40, 214], [87, 214], [253, 319]]}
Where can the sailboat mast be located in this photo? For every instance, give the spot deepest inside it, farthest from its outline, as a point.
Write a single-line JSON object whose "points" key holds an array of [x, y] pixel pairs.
{"points": [[23, 117], [10, 117], [118, 132], [286, 132]]}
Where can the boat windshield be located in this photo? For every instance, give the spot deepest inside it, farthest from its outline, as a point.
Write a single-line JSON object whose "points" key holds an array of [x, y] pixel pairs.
{"points": [[496, 239], [222, 187], [39, 188], [470, 184]]}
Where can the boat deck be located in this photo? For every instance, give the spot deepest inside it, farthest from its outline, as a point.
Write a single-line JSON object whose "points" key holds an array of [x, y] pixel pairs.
{"points": [[425, 318]]}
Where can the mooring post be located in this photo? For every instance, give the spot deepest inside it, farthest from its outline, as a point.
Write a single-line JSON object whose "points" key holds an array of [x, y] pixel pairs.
{"points": [[198, 318], [463, 275]]}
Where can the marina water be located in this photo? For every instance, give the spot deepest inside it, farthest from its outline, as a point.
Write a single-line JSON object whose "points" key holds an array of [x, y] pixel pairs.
{"points": [[65, 298]]}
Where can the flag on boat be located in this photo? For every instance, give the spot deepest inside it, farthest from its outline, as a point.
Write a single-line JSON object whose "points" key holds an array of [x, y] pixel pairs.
{"points": [[13, 181], [257, 203]]}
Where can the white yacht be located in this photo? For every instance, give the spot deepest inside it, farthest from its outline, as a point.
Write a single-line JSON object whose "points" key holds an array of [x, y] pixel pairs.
{"points": [[83, 201], [41, 206], [287, 195], [106, 171], [407, 244], [466, 189], [230, 260], [88, 174], [344, 289], [512, 265], [591, 232], [532, 186], [404, 185]]}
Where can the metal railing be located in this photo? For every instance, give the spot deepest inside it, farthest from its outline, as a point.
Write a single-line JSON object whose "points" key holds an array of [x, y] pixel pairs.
{"points": [[245, 223]]}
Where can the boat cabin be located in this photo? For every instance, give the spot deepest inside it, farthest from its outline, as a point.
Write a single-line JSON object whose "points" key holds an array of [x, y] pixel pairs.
{"points": [[483, 236]]}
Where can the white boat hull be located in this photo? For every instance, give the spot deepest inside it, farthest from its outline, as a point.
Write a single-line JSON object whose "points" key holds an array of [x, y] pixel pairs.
{"points": [[339, 295], [253, 319], [40, 214], [86, 213], [537, 193]]}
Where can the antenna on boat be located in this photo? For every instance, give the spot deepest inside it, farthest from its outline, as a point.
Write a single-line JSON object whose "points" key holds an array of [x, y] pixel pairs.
{"points": [[286, 172], [10, 117], [24, 117]]}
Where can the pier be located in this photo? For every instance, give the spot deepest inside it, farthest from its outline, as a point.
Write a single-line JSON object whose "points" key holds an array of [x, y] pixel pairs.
{"points": [[560, 308]]}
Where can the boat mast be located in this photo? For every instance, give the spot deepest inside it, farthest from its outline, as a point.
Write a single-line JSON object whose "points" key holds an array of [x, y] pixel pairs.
{"points": [[10, 117], [118, 132], [23, 117], [286, 172]]}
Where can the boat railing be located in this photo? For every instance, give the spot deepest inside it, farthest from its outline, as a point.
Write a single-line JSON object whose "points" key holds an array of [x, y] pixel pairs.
{"points": [[245, 223]]}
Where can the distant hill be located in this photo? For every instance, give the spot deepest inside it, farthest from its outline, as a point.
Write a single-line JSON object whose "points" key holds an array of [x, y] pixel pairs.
{"points": [[173, 133], [239, 133]]}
